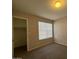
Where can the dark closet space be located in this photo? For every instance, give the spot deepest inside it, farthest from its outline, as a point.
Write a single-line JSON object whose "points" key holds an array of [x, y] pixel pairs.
{"points": [[19, 35]]}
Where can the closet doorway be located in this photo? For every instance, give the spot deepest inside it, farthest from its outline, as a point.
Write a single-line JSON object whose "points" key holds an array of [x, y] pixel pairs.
{"points": [[19, 35]]}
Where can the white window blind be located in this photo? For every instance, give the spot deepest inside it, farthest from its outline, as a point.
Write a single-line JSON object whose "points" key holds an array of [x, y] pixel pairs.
{"points": [[45, 30]]}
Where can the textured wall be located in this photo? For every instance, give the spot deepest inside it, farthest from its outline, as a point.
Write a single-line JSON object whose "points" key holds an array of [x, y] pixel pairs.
{"points": [[60, 31], [33, 38]]}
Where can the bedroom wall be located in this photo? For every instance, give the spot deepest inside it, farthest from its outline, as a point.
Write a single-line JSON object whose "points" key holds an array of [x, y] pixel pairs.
{"points": [[33, 38], [60, 31], [32, 31]]}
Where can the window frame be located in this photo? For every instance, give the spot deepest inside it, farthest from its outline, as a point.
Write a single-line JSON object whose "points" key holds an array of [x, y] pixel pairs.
{"points": [[52, 30]]}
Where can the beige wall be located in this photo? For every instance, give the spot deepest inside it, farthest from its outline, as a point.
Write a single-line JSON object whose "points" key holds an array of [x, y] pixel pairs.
{"points": [[33, 41], [60, 31], [19, 37]]}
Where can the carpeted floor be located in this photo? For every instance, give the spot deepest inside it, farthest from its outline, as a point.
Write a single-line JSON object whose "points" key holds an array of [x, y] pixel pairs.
{"points": [[51, 51]]}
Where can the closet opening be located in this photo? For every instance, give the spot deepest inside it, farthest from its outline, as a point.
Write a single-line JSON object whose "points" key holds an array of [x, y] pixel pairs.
{"points": [[19, 29]]}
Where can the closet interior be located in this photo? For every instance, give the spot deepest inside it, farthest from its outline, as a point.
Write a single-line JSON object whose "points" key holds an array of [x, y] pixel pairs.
{"points": [[19, 34]]}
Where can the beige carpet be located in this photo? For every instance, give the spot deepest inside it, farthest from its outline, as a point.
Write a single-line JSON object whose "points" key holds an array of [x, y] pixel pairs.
{"points": [[51, 51]]}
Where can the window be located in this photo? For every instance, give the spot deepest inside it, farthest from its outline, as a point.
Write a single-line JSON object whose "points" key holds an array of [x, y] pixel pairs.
{"points": [[45, 30]]}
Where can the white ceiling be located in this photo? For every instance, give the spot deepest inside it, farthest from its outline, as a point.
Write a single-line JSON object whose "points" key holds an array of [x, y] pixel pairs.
{"points": [[39, 8]]}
